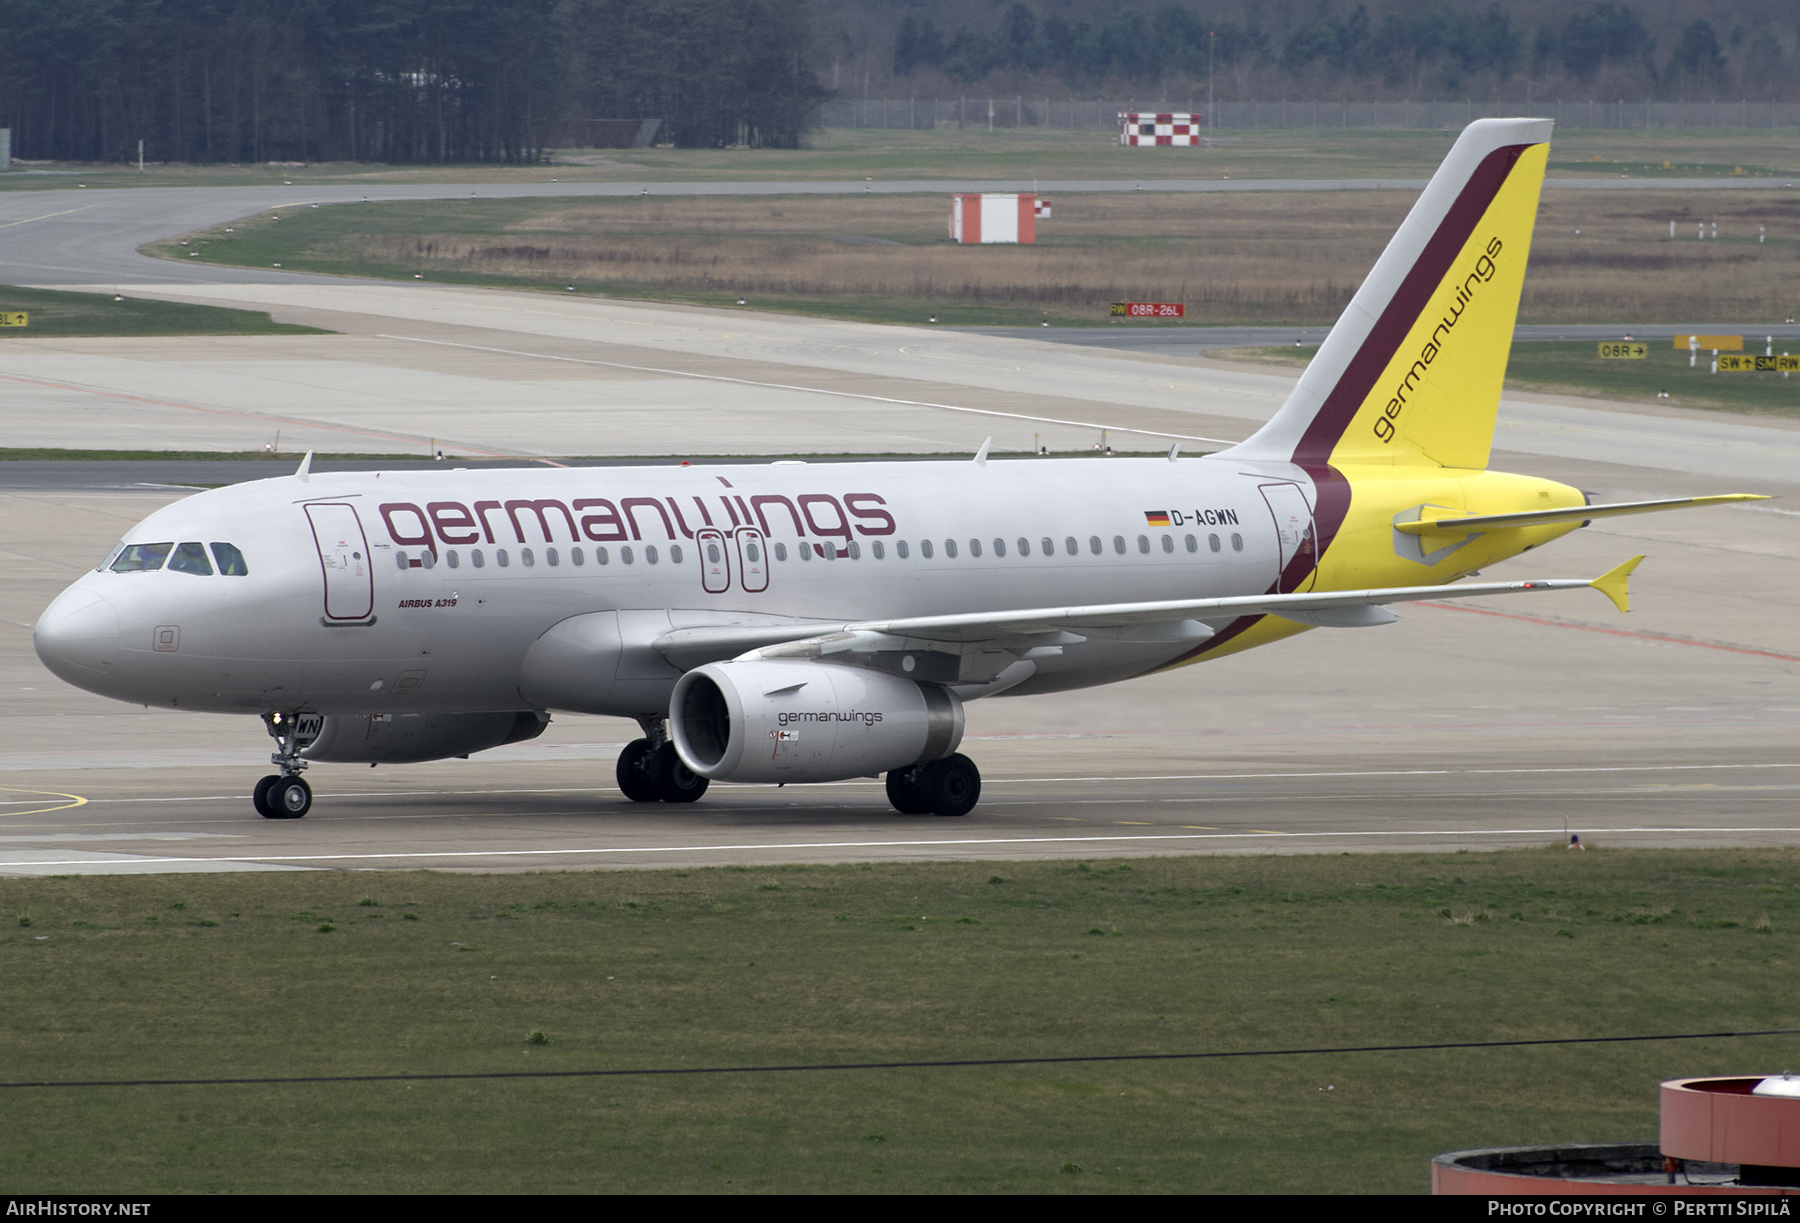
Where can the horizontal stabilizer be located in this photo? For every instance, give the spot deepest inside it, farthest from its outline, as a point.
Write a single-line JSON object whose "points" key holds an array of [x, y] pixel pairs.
{"points": [[1574, 513]]}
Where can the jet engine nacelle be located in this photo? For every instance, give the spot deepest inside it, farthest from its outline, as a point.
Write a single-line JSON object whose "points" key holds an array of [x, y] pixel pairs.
{"points": [[408, 738], [778, 720]]}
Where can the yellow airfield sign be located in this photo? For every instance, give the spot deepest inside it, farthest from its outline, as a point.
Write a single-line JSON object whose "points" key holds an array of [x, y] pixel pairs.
{"points": [[1750, 363], [14, 318], [1614, 351], [1718, 343]]}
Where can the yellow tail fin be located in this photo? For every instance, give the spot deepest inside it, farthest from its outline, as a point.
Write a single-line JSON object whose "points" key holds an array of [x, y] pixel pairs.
{"points": [[1411, 372]]}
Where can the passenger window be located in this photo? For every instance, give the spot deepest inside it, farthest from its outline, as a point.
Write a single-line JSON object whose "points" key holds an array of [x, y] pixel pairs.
{"points": [[900, 549], [501, 559], [476, 558], [1168, 543], [755, 553], [1070, 546], [601, 556], [231, 561], [1237, 542], [1094, 544], [1119, 544], [712, 553], [550, 557], [950, 548], [780, 552], [1050, 546], [675, 554], [141, 558], [1024, 546], [400, 561], [856, 550], [925, 548], [874, 545], [1144, 544], [1193, 545], [525, 557], [190, 558], [1212, 541], [805, 551], [451, 559], [625, 555], [577, 557]]}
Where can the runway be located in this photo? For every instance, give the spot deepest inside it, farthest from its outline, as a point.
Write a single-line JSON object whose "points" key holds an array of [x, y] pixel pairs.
{"points": [[1473, 726]]}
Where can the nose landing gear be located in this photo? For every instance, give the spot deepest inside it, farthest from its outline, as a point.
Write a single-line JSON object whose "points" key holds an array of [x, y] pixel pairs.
{"points": [[285, 795]]}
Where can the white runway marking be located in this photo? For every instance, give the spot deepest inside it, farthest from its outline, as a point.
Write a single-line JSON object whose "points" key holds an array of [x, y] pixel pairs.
{"points": [[251, 861], [999, 781]]}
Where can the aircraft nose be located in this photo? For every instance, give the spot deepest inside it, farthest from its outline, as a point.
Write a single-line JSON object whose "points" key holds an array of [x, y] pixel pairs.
{"points": [[78, 636]]}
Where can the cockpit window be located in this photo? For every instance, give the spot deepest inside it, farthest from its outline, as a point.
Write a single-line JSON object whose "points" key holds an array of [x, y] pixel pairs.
{"points": [[231, 561], [141, 558], [190, 558]]}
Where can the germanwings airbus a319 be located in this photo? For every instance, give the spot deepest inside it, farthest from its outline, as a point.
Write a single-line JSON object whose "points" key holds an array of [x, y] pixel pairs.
{"points": [[809, 623]]}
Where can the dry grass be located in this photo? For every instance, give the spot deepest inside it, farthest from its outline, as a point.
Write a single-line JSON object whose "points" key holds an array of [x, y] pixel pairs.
{"points": [[1286, 258]]}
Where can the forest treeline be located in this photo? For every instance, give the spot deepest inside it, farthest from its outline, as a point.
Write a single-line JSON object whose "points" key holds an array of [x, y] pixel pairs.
{"points": [[395, 80], [490, 80], [1418, 49]]}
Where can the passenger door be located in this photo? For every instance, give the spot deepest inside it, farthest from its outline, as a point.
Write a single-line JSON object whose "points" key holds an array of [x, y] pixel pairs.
{"points": [[344, 558]]}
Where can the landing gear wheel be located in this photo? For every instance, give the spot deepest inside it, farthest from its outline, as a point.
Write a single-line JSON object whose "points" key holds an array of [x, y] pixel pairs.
{"points": [[259, 798], [634, 774], [289, 798], [676, 782], [903, 791], [951, 786]]}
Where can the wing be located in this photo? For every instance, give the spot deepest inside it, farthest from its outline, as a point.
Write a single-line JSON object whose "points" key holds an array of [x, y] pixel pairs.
{"points": [[1166, 620]]}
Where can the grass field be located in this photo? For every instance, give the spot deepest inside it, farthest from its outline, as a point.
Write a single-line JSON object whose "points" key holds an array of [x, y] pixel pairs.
{"points": [[1291, 258], [1576, 368], [973, 153], [378, 973], [52, 314]]}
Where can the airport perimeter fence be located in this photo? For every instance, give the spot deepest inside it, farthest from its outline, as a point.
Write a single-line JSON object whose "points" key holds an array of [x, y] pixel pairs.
{"points": [[1072, 114]]}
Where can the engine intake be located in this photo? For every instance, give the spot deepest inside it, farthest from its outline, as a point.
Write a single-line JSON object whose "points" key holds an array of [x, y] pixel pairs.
{"points": [[772, 720]]}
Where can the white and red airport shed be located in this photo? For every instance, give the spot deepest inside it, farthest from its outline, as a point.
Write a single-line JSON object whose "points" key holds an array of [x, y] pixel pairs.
{"points": [[1182, 129], [995, 218]]}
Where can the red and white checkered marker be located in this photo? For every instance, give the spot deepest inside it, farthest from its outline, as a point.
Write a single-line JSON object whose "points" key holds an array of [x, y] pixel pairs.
{"points": [[1180, 128]]}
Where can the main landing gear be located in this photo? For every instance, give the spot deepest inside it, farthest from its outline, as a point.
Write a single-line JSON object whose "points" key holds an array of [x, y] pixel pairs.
{"points": [[950, 786], [649, 771], [284, 795]]}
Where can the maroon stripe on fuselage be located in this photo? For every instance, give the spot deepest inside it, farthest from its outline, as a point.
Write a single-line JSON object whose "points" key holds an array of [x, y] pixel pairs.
{"points": [[1409, 301]]}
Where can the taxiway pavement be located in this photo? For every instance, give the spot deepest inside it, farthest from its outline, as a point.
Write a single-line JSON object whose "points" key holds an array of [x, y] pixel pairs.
{"points": [[1466, 726]]}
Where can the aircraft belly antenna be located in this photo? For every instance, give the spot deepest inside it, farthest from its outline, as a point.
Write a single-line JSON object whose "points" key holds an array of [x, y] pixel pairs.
{"points": [[305, 471], [981, 455]]}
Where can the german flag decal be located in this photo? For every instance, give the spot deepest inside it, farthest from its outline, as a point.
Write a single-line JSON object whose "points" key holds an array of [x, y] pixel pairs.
{"points": [[1157, 518]]}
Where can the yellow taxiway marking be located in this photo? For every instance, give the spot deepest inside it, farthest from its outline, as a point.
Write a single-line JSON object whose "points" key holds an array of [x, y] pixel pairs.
{"points": [[75, 801], [1133, 823], [1268, 832], [1200, 827]]}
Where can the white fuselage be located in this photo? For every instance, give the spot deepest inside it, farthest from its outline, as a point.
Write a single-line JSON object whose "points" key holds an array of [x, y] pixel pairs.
{"points": [[424, 591]]}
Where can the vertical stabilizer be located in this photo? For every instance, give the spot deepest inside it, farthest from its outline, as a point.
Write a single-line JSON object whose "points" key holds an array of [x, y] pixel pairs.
{"points": [[1411, 372]]}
